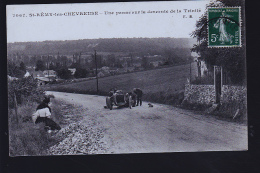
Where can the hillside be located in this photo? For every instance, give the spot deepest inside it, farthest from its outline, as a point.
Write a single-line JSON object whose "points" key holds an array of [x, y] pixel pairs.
{"points": [[126, 45], [164, 85]]}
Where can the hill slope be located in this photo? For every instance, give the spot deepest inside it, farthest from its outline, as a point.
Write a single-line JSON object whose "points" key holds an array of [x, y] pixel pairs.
{"points": [[160, 85], [136, 45]]}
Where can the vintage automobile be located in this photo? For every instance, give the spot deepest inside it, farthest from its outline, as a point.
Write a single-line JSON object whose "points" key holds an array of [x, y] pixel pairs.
{"points": [[120, 99]]}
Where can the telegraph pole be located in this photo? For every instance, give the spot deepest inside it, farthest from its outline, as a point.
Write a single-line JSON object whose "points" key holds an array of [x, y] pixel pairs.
{"points": [[79, 57], [96, 68], [48, 67], [190, 71]]}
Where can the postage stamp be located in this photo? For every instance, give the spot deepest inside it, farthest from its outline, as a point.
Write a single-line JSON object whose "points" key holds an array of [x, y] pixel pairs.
{"points": [[224, 28]]}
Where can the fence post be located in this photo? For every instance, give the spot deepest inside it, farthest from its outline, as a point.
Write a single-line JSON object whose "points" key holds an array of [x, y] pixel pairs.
{"points": [[217, 82], [16, 109]]}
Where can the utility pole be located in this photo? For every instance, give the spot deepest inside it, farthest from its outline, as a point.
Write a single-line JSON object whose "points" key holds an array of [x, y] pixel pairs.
{"points": [[190, 71], [96, 69], [79, 58], [48, 68]]}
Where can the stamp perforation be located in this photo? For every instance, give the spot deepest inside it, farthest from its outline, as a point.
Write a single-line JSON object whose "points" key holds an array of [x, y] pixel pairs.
{"points": [[240, 26]]}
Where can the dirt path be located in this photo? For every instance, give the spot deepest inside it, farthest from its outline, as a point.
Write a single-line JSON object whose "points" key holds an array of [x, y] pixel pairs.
{"points": [[161, 128]]}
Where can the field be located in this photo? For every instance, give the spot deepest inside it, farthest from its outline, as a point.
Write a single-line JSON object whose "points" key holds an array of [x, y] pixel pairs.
{"points": [[160, 85]]}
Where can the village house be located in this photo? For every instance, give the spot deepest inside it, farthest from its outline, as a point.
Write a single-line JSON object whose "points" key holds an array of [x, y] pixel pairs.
{"points": [[104, 71], [42, 78], [36, 74], [50, 73], [72, 70]]}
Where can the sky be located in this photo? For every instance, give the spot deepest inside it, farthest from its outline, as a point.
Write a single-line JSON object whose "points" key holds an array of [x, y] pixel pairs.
{"points": [[111, 20]]}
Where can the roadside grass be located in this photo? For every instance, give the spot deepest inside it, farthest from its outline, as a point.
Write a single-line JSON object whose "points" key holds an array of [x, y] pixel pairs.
{"points": [[27, 138], [225, 111], [159, 86], [234, 111]]}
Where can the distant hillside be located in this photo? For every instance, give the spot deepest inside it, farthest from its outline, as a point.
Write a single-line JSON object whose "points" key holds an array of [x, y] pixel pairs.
{"points": [[126, 45], [159, 85]]}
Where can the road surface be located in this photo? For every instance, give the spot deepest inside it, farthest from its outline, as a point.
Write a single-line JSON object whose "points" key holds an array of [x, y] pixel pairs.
{"points": [[161, 128]]}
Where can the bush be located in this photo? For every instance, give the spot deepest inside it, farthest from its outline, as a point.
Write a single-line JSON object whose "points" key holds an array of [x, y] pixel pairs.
{"points": [[25, 138], [194, 106], [80, 73], [23, 90], [205, 80], [64, 73]]}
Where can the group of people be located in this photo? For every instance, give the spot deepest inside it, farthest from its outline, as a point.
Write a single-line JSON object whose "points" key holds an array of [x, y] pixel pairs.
{"points": [[136, 94]]}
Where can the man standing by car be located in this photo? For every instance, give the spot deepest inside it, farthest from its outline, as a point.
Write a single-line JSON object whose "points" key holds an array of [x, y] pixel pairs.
{"points": [[139, 94]]}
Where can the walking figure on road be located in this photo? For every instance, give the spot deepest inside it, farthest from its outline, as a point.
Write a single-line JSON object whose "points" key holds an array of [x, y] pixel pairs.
{"points": [[139, 94]]}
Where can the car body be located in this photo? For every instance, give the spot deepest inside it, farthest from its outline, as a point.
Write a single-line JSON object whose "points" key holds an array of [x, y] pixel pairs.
{"points": [[120, 99]]}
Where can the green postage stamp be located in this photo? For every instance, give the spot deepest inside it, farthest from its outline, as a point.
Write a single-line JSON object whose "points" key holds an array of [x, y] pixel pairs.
{"points": [[224, 28]]}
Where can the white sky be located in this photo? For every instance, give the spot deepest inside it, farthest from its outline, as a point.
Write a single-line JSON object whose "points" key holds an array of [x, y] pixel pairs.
{"points": [[22, 29]]}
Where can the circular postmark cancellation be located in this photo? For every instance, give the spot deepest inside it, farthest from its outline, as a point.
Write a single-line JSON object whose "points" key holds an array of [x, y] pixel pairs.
{"points": [[224, 27]]}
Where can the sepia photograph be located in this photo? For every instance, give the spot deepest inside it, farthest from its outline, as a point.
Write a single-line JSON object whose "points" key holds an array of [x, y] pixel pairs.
{"points": [[126, 77]]}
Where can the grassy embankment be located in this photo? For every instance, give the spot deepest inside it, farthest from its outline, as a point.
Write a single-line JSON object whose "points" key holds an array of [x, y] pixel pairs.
{"points": [[26, 138], [164, 85]]}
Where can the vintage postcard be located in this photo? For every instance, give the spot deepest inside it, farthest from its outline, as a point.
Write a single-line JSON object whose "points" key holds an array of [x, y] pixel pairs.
{"points": [[126, 77]]}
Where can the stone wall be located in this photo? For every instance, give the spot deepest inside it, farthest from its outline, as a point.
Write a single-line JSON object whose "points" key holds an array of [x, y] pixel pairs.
{"points": [[199, 94], [233, 93], [205, 94]]}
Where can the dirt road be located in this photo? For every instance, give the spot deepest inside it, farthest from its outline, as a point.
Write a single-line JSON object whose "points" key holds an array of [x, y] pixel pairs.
{"points": [[160, 128]]}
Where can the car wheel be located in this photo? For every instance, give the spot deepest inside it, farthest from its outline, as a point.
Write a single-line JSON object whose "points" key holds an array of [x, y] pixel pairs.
{"points": [[130, 102], [133, 103], [108, 102]]}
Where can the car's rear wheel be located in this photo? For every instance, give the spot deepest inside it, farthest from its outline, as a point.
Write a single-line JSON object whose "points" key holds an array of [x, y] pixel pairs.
{"points": [[130, 102], [109, 103], [133, 103]]}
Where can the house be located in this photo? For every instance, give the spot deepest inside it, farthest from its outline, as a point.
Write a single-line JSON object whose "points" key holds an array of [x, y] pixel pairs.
{"points": [[44, 80], [50, 73], [156, 63], [27, 74], [72, 70], [100, 74], [36, 74], [113, 71]]}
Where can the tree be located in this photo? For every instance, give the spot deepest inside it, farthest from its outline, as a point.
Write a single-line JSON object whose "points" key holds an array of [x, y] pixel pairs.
{"points": [[51, 66], [64, 73], [22, 67], [145, 62], [14, 71], [111, 59], [80, 73], [232, 59], [40, 66], [10, 68], [23, 89]]}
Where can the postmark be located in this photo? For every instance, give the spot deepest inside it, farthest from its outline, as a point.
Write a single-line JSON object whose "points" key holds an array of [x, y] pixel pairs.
{"points": [[224, 27]]}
